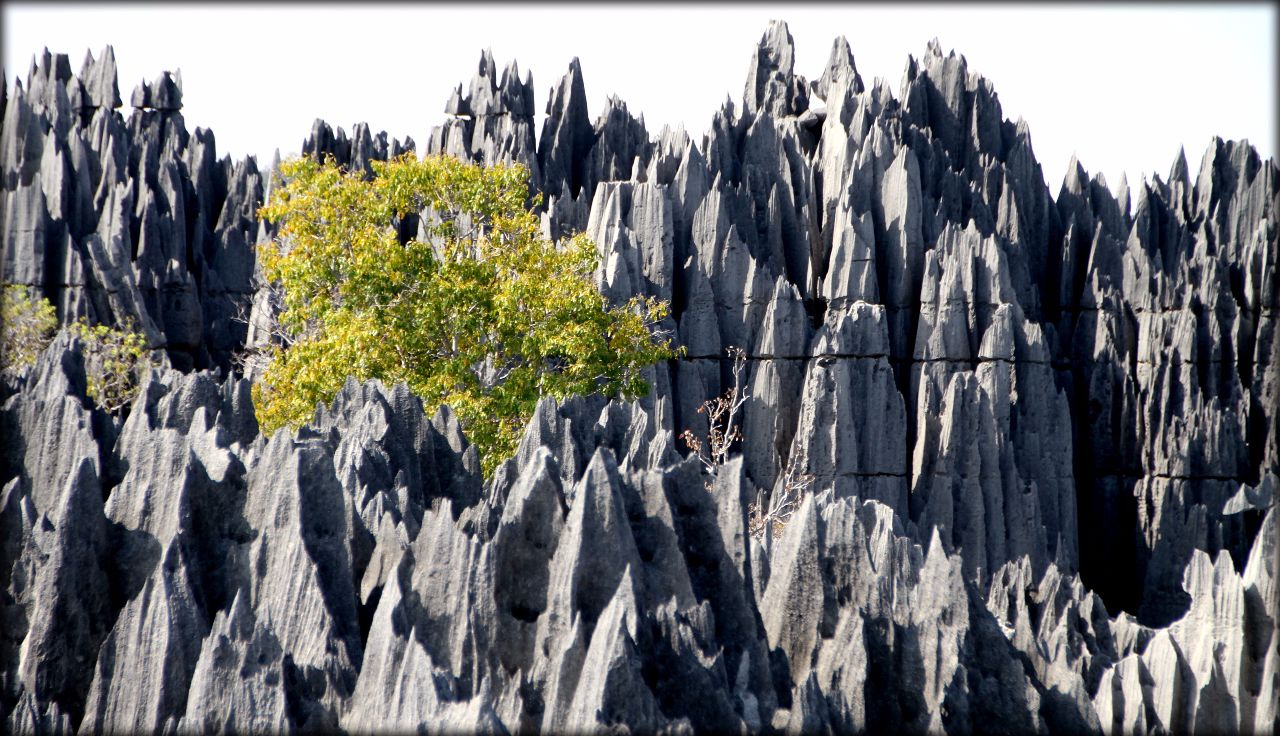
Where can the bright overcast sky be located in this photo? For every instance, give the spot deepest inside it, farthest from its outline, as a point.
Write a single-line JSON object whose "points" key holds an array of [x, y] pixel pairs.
{"points": [[1121, 86]]}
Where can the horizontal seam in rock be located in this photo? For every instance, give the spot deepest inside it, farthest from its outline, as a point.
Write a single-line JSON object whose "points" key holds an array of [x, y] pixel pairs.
{"points": [[1103, 360], [1171, 476], [1011, 361], [871, 475], [1171, 310]]}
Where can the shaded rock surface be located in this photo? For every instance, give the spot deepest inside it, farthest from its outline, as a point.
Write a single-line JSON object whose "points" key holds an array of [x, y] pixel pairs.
{"points": [[1042, 435]]}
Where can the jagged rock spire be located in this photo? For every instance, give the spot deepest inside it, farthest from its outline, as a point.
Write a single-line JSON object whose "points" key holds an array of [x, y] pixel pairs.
{"points": [[1032, 440], [772, 85]]}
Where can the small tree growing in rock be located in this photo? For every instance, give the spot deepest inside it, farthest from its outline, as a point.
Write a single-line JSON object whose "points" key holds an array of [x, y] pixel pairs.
{"points": [[781, 505], [721, 412], [723, 432]]}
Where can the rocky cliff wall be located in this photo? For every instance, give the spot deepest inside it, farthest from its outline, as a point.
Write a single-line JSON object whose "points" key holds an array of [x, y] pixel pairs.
{"points": [[1044, 435]]}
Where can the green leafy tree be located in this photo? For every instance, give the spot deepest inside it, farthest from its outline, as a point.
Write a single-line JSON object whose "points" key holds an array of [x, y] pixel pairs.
{"points": [[482, 314]]}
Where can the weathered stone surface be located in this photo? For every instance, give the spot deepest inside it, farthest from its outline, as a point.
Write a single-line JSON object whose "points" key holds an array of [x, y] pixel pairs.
{"points": [[772, 85], [1038, 436], [497, 125], [98, 76], [852, 426]]}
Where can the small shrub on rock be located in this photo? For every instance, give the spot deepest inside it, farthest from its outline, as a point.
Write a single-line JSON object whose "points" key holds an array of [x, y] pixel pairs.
{"points": [[114, 362], [27, 327]]}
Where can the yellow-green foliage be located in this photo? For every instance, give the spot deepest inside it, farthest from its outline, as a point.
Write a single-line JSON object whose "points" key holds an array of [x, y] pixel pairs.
{"points": [[486, 317], [26, 327], [114, 360]]}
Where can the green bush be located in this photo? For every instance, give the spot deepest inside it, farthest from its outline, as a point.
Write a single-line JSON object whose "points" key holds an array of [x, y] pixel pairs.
{"points": [[27, 327], [115, 361], [114, 358]]}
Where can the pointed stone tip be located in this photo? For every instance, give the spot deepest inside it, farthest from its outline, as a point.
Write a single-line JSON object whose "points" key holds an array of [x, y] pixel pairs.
{"points": [[840, 64], [601, 469], [1178, 171], [935, 547], [486, 66], [626, 583], [1075, 177], [776, 39]]}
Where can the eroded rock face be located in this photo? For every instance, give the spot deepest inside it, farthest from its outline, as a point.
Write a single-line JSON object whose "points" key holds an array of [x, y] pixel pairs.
{"points": [[1042, 436]]}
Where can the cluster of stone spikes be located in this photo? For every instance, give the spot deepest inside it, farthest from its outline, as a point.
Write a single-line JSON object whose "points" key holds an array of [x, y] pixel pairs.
{"points": [[1040, 435]]}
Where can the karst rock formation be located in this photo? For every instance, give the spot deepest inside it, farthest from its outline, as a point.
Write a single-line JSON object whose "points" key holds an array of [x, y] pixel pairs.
{"points": [[1043, 433]]}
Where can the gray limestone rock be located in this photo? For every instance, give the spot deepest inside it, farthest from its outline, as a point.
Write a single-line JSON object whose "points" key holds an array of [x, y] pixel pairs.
{"points": [[852, 429], [840, 66], [1038, 435], [621, 147], [772, 84], [792, 605], [239, 683], [567, 135], [99, 79]]}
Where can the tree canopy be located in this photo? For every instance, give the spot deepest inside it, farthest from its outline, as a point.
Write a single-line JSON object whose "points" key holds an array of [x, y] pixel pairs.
{"points": [[435, 272]]}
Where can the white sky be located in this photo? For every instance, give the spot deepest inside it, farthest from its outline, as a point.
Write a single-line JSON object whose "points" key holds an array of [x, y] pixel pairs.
{"points": [[1121, 86]]}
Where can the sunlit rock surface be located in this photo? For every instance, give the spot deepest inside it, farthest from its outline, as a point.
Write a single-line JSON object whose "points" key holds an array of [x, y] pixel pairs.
{"points": [[1043, 434]]}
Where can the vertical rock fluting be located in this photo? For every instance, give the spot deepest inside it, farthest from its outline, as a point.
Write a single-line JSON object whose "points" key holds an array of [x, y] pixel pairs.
{"points": [[1042, 435]]}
